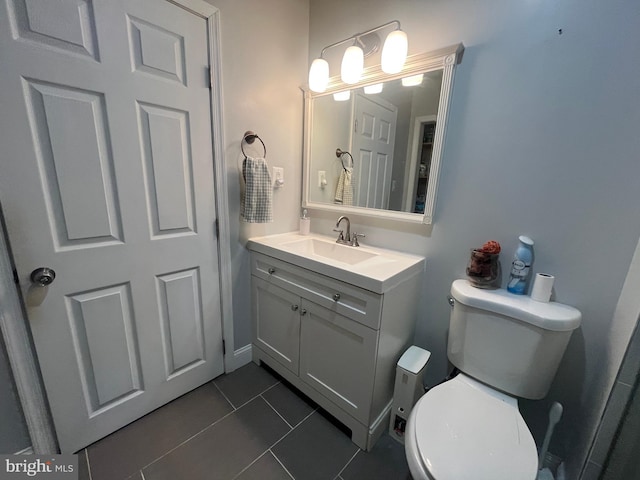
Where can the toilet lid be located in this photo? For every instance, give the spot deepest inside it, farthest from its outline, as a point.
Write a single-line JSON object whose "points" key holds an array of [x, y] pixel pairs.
{"points": [[465, 429]]}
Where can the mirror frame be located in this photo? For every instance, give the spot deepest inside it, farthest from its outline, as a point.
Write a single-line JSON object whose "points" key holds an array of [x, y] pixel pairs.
{"points": [[446, 59]]}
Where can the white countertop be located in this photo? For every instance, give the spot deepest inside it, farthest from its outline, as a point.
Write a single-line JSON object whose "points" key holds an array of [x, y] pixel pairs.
{"points": [[379, 271]]}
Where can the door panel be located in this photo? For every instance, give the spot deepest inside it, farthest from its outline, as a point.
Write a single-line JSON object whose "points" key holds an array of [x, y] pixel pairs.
{"points": [[67, 25], [164, 138], [67, 125], [106, 175], [180, 299], [109, 371]]}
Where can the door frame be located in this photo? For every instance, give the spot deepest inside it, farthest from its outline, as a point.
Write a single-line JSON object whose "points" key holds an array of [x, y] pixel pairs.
{"points": [[13, 322], [411, 177]]}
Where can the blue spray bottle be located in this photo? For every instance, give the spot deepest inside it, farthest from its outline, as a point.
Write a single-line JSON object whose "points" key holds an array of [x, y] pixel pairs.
{"points": [[520, 274]]}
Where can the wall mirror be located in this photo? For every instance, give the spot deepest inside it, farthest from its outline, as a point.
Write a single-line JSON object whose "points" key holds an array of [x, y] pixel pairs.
{"points": [[393, 128]]}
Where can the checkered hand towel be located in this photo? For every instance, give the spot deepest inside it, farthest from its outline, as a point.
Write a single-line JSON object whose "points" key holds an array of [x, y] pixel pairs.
{"points": [[344, 190], [257, 206]]}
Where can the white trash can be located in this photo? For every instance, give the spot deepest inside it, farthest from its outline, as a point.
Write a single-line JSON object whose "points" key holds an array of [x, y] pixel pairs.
{"points": [[408, 388]]}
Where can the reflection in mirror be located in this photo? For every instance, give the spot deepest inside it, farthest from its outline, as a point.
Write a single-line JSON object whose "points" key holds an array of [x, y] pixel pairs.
{"points": [[390, 135], [394, 128]]}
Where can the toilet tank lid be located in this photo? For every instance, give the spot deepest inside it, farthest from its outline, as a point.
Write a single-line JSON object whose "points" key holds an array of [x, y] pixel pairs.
{"points": [[548, 316]]}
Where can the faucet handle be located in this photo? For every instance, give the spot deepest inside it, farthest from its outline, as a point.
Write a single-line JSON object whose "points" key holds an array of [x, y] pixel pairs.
{"points": [[354, 239], [340, 235]]}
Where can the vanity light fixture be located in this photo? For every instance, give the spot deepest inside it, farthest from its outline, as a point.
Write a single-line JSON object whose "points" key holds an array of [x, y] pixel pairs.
{"points": [[342, 96], [413, 80], [352, 64], [371, 89], [394, 54]]}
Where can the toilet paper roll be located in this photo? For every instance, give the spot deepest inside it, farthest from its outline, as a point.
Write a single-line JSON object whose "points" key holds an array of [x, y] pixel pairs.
{"points": [[542, 286]]}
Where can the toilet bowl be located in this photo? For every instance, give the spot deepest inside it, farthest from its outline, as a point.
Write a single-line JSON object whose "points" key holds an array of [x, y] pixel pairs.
{"points": [[505, 346], [463, 429]]}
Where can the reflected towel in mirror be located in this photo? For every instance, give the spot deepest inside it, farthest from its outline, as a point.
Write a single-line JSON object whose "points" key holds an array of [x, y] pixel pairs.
{"points": [[344, 190], [257, 204]]}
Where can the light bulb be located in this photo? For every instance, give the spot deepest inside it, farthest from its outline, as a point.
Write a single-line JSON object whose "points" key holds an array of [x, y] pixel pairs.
{"points": [[352, 64], [342, 96], [371, 89], [412, 81], [319, 75], [394, 52]]}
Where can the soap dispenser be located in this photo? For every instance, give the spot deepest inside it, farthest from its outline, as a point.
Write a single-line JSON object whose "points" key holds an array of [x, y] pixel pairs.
{"points": [[305, 223]]}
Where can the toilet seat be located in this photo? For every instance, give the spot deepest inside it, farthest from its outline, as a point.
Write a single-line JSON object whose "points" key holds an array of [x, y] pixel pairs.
{"points": [[464, 429]]}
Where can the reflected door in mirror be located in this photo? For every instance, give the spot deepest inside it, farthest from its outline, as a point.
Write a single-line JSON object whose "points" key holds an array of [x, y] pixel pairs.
{"points": [[373, 145]]}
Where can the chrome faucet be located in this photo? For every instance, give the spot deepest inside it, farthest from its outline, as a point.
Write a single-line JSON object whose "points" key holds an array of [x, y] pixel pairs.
{"points": [[346, 240]]}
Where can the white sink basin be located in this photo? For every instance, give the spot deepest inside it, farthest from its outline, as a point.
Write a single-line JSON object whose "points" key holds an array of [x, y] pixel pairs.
{"points": [[330, 250], [375, 269]]}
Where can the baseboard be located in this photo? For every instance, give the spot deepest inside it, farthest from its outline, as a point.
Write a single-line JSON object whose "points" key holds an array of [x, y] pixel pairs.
{"points": [[241, 357], [25, 451]]}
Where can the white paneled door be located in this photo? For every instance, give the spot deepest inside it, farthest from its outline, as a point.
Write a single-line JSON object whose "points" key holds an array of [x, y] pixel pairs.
{"points": [[106, 177]]}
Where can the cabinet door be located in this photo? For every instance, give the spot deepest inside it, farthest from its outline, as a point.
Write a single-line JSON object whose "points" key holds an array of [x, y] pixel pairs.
{"points": [[338, 358], [276, 322]]}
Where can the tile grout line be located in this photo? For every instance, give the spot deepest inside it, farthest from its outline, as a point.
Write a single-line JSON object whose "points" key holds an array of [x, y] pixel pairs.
{"points": [[194, 435], [225, 397], [234, 409], [214, 423], [249, 466], [347, 464], [277, 413], [312, 412], [259, 395], [281, 464], [86, 456], [299, 423], [252, 398]]}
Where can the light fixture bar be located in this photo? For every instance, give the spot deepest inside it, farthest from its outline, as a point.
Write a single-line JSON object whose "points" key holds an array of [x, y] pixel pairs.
{"points": [[363, 44], [358, 35]]}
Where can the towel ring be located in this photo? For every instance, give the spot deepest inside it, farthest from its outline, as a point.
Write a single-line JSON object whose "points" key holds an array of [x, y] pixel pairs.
{"points": [[250, 137], [340, 154]]}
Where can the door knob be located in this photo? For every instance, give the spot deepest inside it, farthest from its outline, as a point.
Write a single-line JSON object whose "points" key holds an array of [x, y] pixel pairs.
{"points": [[43, 276]]}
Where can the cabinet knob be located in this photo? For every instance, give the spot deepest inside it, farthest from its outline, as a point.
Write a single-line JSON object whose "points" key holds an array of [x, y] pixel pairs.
{"points": [[271, 271], [336, 297], [294, 307], [303, 311]]}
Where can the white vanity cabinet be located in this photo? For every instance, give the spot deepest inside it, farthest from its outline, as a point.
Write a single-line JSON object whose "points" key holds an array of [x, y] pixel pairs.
{"points": [[336, 342]]}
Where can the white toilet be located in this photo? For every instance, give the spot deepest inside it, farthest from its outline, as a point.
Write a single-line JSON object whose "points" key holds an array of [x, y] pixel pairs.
{"points": [[505, 346]]}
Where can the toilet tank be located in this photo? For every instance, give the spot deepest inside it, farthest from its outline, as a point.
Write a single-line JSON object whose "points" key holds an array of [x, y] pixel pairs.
{"points": [[510, 342]]}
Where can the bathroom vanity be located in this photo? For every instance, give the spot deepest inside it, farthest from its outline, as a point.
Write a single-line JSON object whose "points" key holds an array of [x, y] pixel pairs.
{"points": [[333, 320]]}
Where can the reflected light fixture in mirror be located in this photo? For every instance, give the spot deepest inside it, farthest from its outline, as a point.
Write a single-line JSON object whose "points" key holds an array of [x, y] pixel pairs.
{"points": [[413, 80], [342, 96], [394, 54], [372, 89]]}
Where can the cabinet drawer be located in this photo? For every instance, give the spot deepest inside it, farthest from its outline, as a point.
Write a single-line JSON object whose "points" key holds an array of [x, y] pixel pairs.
{"points": [[355, 303], [338, 359]]}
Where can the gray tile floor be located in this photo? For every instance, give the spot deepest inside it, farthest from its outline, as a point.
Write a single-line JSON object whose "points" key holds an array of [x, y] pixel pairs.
{"points": [[247, 425]]}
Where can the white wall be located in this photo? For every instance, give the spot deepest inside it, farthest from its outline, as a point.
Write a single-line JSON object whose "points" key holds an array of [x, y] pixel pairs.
{"points": [[264, 62], [542, 141]]}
